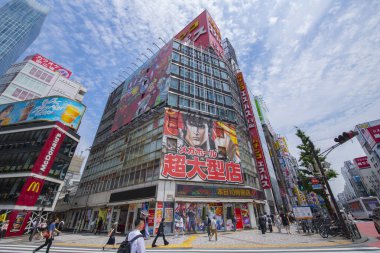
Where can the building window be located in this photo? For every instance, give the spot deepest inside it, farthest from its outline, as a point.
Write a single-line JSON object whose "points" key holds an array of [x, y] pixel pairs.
{"points": [[219, 98], [216, 72], [176, 45], [226, 87], [173, 99], [218, 85], [176, 56], [185, 60], [183, 102], [222, 64], [183, 87], [211, 109], [228, 100], [210, 95], [174, 83], [175, 69], [223, 75]]}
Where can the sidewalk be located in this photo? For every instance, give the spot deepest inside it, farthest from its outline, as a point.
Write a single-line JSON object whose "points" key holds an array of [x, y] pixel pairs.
{"points": [[239, 239]]}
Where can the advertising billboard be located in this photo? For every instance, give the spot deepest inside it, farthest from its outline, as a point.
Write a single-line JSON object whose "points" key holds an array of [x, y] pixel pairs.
{"points": [[199, 149], [148, 88], [64, 110], [373, 135], [202, 31], [362, 162], [262, 167], [45, 62]]}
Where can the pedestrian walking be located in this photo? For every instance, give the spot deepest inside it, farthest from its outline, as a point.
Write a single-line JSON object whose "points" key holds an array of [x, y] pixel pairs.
{"points": [[136, 238], [35, 224], [234, 222], [208, 224], [60, 226], [92, 225], [48, 234], [99, 227], [270, 223], [278, 222], [263, 223], [285, 222], [4, 228], [111, 237], [160, 232], [214, 230]]}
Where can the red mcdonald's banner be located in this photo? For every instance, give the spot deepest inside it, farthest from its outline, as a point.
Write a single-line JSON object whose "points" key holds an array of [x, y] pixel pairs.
{"points": [[30, 191], [49, 151], [262, 167]]}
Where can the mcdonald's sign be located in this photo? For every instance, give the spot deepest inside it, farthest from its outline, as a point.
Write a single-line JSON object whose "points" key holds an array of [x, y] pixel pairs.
{"points": [[34, 186]]}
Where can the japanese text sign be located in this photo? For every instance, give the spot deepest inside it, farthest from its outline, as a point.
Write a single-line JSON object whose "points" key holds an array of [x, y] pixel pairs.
{"points": [[51, 65], [262, 167], [362, 162]]}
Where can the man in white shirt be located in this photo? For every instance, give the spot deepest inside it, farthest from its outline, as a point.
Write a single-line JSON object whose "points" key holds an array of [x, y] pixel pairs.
{"points": [[214, 228], [138, 246]]}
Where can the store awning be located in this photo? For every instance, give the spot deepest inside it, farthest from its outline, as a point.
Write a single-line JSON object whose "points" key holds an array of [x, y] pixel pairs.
{"points": [[213, 200]]}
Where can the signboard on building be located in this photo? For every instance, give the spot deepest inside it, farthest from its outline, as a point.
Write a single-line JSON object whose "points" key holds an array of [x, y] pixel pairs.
{"points": [[372, 135], [146, 89], [199, 149], [362, 162], [203, 31], [45, 62], [302, 212], [204, 191], [64, 110], [262, 167]]}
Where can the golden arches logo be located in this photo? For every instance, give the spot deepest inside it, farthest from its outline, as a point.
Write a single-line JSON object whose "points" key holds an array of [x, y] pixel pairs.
{"points": [[35, 187]]}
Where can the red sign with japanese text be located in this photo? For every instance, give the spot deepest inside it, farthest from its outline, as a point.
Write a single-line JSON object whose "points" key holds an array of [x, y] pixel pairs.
{"points": [[362, 162], [199, 149], [374, 133], [49, 151], [262, 167], [203, 31], [45, 62]]}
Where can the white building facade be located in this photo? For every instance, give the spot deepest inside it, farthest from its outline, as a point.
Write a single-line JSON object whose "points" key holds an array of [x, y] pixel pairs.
{"points": [[37, 77]]}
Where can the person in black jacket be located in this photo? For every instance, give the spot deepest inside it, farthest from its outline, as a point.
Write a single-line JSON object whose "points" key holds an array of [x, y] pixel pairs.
{"points": [[160, 232], [263, 223], [208, 224]]}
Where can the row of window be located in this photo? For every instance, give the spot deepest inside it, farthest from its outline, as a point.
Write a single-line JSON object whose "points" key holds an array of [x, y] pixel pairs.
{"points": [[186, 102], [194, 76], [199, 66], [200, 92], [202, 56]]}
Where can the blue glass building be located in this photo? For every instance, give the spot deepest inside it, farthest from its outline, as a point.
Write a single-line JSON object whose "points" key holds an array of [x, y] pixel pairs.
{"points": [[20, 24]]}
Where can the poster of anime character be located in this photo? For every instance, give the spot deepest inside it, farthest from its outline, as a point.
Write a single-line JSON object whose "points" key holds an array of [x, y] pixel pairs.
{"points": [[245, 216], [146, 89], [199, 149]]}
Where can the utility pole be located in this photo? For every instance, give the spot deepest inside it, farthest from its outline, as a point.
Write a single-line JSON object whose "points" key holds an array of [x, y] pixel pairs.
{"points": [[337, 211]]}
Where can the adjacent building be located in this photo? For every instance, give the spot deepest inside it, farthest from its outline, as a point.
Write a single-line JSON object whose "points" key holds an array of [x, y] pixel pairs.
{"points": [[37, 141], [368, 175], [353, 179], [37, 77], [20, 24], [174, 141]]}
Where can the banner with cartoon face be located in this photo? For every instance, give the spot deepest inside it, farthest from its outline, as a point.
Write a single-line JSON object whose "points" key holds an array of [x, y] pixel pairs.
{"points": [[197, 148]]}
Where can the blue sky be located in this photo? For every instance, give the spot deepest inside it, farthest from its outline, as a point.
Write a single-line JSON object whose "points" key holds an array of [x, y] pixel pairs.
{"points": [[316, 63]]}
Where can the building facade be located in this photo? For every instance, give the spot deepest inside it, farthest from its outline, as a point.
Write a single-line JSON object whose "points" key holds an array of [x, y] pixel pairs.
{"points": [[368, 175], [173, 141], [353, 178], [37, 77], [37, 141], [20, 24]]}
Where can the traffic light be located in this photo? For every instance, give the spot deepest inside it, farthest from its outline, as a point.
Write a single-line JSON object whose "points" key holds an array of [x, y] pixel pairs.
{"points": [[345, 136]]}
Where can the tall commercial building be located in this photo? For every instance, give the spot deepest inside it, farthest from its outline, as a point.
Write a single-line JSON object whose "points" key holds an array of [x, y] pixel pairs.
{"points": [[368, 175], [174, 140], [37, 77], [20, 24], [353, 179]]}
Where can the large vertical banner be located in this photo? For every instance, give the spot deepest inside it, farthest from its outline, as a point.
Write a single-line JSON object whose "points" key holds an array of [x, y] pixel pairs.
{"points": [[146, 89], [199, 149], [262, 167], [203, 31]]}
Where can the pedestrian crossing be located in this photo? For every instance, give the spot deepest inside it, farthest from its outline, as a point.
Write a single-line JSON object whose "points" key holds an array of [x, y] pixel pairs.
{"points": [[22, 248]]}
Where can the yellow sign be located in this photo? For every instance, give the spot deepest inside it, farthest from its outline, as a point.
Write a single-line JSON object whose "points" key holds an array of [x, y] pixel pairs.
{"points": [[35, 187]]}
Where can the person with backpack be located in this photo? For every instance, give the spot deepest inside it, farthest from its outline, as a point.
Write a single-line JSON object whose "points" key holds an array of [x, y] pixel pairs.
{"points": [[160, 232], [49, 236], [134, 242]]}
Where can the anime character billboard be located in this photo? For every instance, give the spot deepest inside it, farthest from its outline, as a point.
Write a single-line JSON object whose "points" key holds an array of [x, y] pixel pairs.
{"points": [[146, 89], [199, 149]]}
